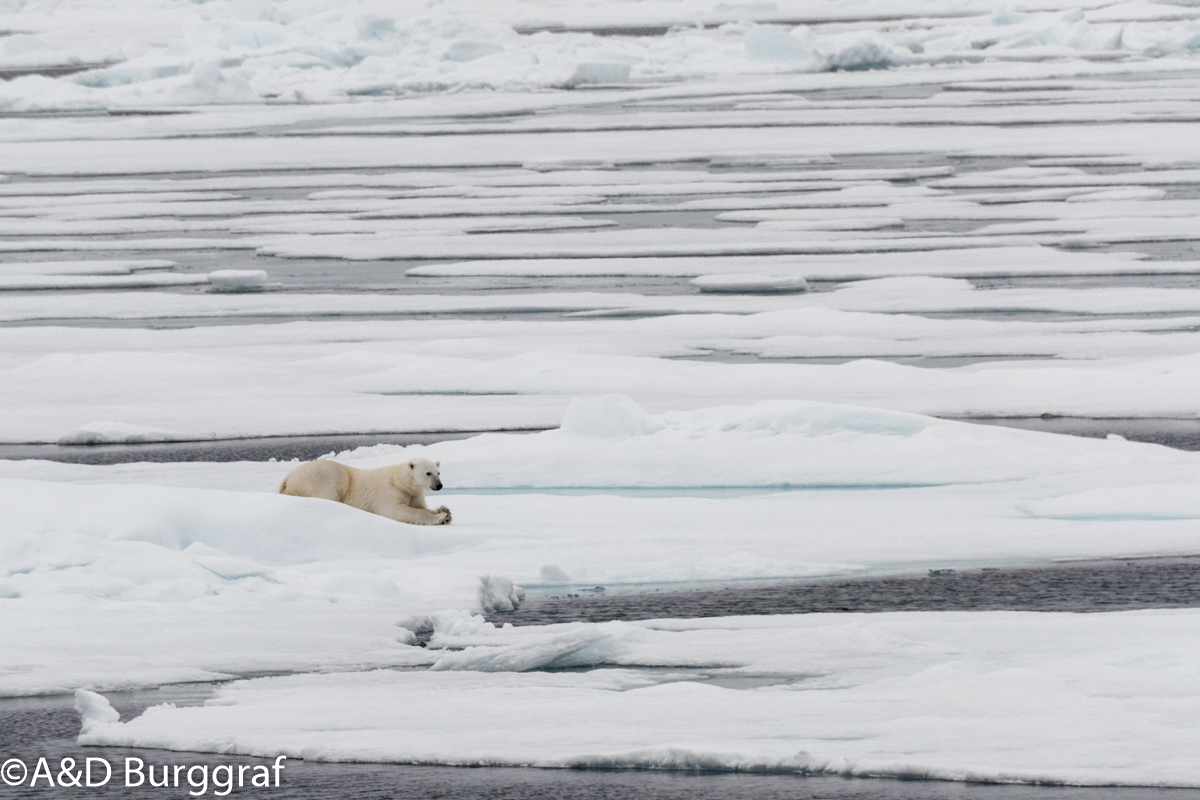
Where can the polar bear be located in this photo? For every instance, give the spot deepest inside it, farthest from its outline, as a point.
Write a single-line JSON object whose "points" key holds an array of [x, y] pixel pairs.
{"points": [[396, 492]]}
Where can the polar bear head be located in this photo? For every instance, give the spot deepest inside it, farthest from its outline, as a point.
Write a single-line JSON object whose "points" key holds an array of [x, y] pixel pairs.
{"points": [[425, 474]]}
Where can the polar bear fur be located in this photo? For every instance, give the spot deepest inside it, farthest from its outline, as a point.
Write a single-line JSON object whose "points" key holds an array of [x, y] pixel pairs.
{"points": [[396, 492]]}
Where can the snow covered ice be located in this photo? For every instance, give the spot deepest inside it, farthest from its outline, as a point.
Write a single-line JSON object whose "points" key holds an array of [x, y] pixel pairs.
{"points": [[717, 288], [236, 580], [983, 697]]}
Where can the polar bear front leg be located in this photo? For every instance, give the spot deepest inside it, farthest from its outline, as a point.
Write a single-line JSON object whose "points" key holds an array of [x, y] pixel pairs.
{"points": [[419, 516]]}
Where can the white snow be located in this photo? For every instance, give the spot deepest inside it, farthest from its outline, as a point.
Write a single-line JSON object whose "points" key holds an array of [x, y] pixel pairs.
{"points": [[94, 710], [1089, 699], [115, 274], [238, 280], [422, 374], [118, 550], [198, 584], [750, 284]]}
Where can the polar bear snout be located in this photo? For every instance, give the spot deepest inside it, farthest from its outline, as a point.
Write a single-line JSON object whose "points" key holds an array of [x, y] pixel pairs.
{"points": [[426, 473]]}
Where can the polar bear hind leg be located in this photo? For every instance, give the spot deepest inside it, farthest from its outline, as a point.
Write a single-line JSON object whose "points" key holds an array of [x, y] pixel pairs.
{"points": [[327, 480]]}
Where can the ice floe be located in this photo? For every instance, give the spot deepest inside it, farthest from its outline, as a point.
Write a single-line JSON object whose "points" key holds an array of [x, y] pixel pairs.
{"points": [[750, 283], [1092, 699], [131, 549], [238, 280], [473, 373]]}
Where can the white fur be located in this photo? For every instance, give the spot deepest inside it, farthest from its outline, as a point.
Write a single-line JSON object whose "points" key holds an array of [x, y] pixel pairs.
{"points": [[396, 492]]}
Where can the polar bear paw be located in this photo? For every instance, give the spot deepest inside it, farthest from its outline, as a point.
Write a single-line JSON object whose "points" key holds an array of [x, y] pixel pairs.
{"points": [[445, 515]]}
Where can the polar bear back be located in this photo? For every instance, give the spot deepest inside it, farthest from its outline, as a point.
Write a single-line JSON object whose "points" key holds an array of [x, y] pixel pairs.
{"points": [[327, 480]]}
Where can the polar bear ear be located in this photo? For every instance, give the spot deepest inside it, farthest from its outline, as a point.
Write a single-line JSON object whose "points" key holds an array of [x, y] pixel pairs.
{"points": [[437, 463]]}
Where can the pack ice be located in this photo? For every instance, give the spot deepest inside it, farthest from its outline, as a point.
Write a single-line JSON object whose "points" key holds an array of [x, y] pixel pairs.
{"points": [[229, 53], [1084, 699], [209, 583], [946, 178]]}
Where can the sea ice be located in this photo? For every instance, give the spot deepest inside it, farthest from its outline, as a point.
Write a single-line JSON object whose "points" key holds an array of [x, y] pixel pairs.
{"points": [[307, 52], [911, 149], [471, 374], [750, 283], [238, 280], [1084, 699]]}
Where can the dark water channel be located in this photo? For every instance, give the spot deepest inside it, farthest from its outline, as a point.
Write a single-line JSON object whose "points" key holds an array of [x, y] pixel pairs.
{"points": [[265, 448], [1182, 434], [1076, 587]]}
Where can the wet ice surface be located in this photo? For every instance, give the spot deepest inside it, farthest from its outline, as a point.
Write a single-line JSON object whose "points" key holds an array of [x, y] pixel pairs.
{"points": [[1085, 587]]}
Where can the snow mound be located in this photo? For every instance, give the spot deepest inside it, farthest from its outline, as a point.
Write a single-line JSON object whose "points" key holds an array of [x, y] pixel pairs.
{"points": [[767, 43], [497, 593], [750, 284], [1149, 502], [612, 416], [224, 565], [467, 642], [583, 646], [238, 280], [611, 441], [106, 432], [601, 72], [94, 710], [270, 529]]}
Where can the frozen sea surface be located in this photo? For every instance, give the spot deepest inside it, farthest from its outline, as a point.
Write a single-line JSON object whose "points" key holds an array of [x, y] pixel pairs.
{"points": [[480, 219], [615, 496]]}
